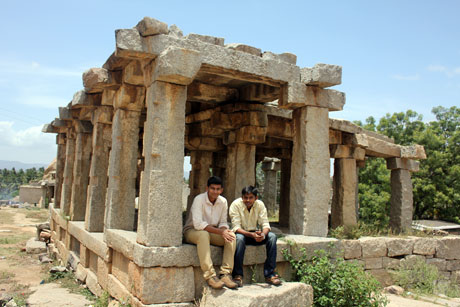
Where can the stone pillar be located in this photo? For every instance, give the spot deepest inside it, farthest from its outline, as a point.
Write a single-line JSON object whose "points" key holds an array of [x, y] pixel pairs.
{"points": [[122, 172], [284, 192], [160, 201], [67, 177], [219, 163], [343, 210], [270, 167], [81, 170], [60, 164], [310, 182], [401, 205], [201, 163], [240, 169], [102, 140]]}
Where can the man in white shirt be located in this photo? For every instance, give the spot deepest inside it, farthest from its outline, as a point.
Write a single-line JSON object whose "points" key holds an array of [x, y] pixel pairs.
{"points": [[250, 223], [207, 224]]}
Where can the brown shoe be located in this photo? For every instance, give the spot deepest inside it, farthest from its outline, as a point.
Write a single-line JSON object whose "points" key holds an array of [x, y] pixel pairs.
{"points": [[238, 279], [273, 280], [229, 283], [215, 283]]}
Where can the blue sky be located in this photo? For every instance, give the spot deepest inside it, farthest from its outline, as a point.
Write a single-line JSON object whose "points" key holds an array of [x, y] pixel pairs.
{"points": [[396, 55]]}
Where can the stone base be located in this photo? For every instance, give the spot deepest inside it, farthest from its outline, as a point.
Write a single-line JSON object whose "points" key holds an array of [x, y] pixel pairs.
{"points": [[288, 294]]}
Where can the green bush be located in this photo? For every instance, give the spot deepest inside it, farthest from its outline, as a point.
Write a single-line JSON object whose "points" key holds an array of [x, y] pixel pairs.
{"points": [[336, 282]]}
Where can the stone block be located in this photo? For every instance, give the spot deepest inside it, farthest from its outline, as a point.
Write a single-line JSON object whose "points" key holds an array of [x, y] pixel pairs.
{"points": [[390, 263], [202, 92], [245, 48], [84, 256], [93, 262], [452, 265], [91, 283], [175, 31], [425, 246], [81, 273], [133, 73], [398, 163], [150, 26], [410, 260], [373, 247], [96, 79], [352, 249], [263, 295], [163, 285], [347, 152], [382, 276], [122, 241], [322, 75], [312, 244], [400, 247], [356, 139], [219, 41], [287, 57], [129, 45], [295, 95], [413, 152], [448, 248], [203, 143], [117, 290], [177, 65], [441, 264], [108, 97], [35, 247], [373, 263], [120, 268], [382, 148], [129, 97], [103, 271]]}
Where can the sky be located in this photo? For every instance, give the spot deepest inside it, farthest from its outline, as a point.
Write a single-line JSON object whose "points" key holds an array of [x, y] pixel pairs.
{"points": [[396, 55]]}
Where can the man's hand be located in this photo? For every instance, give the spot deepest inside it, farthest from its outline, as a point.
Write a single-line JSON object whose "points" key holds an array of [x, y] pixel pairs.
{"points": [[258, 236], [228, 235]]}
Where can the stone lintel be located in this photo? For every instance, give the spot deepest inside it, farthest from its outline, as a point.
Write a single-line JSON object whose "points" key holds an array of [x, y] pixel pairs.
{"points": [[49, 128], [200, 116], [83, 126], [280, 128], [344, 126], [346, 152], [103, 114], [95, 80], [205, 129], [382, 149], [322, 75], [246, 134], [202, 92], [236, 120], [286, 57], [64, 113], [259, 92], [204, 143], [335, 137], [355, 139], [115, 63], [413, 152], [245, 48], [280, 153], [149, 26], [129, 97], [82, 99], [296, 94], [273, 142], [108, 96], [402, 163]]}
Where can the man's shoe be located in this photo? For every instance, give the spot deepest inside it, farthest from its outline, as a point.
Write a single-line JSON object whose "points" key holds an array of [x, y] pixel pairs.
{"points": [[215, 283], [229, 283], [238, 279], [273, 280]]}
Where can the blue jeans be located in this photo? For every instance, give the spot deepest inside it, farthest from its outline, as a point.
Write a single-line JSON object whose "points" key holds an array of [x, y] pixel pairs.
{"points": [[270, 262]]}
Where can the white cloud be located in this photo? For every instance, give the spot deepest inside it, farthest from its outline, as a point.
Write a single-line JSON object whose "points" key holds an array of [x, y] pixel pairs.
{"points": [[449, 72], [44, 101], [26, 145], [407, 77]]}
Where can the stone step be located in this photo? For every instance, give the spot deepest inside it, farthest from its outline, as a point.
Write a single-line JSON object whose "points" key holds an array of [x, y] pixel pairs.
{"points": [[259, 295]]}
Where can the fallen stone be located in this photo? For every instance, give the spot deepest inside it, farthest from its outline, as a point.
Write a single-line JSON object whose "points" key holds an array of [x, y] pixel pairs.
{"points": [[35, 247], [288, 294], [150, 26], [44, 258], [394, 290], [56, 269]]}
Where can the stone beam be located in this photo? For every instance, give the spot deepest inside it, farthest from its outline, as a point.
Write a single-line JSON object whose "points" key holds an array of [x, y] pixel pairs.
{"points": [[335, 137], [95, 80], [259, 92], [322, 75], [355, 139], [296, 94], [205, 129], [246, 134], [347, 152], [406, 164], [203, 143], [202, 92], [81, 99], [129, 97], [280, 153], [413, 152], [280, 128], [272, 142], [382, 149], [200, 116]]}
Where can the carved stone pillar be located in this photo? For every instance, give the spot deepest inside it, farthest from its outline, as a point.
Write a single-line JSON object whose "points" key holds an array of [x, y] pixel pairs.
{"points": [[67, 177], [60, 164]]}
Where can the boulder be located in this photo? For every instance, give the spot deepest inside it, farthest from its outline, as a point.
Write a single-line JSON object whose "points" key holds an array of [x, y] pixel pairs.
{"points": [[35, 247]]}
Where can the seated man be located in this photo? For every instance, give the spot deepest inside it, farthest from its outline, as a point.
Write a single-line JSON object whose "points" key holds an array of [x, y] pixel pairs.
{"points": [[247, 213], [207, 224]]}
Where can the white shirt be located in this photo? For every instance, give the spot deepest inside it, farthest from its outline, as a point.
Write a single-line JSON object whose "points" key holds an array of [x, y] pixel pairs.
{"points": [[203, 213]]}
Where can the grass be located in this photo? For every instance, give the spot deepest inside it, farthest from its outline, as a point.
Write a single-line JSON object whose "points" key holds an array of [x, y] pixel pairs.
{"points": [[366, 230], [38, 214], [68, 280], [5, 217]]}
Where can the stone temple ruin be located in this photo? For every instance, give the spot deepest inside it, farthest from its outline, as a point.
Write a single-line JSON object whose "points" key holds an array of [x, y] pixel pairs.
{"points": [[161, 96]]}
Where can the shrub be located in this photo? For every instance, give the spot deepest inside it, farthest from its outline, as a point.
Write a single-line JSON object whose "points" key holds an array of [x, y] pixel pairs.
{"points": [[336, 282]]}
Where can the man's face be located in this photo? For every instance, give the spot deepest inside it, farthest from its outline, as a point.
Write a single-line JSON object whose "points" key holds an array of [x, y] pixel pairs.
{"points": [[214, 190], [249, 199]]}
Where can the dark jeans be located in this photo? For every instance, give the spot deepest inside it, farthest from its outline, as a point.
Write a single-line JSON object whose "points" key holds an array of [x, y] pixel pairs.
{"points": [[270, 262]]}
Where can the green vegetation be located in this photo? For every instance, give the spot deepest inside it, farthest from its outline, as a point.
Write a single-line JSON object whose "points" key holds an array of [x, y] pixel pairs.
{"points": [[10, 180], [436, 185], [68, 280], [336, 282]]}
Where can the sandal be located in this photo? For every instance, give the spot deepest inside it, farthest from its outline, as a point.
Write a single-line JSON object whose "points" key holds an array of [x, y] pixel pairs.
{"points": [[273, 280], [238, 279]]}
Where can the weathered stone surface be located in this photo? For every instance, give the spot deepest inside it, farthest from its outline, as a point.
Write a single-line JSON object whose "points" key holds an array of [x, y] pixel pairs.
{"points": [[352, 249], [163, 285], [407, 164], [425, 246], [401, 203], [35, 247], [381, 148], [343, 211], [103, 271], [283, 57], [219, 41], [441, 264], [322, 75], [373, 263], [202, 92], [452, 265], [390, 263], [84, 255], [288, 294], [150, 26], [129, 97], [108, 97], [356, 139], [347, 152], [373, 247], [120, 265], [310, 172], [93, 241], [410, 260], [298, 94], [413, 152], [175, 31], [312, 244], [117, 290], [133, 73], [122, 241], [81, 273], [96, 79], [383, 276], [82, 99], [240, 159], [399, 247], [129, 44], [259, 92], [448, 248], [160, 206], [245, 48]]}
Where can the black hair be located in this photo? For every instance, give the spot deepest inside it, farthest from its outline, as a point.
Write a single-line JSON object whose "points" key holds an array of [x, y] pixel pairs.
{"points": [[249, 189], [214, 180]]}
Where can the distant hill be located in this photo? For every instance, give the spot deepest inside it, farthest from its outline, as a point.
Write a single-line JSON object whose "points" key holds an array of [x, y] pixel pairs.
{"points": [[18, 165]]}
